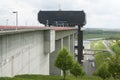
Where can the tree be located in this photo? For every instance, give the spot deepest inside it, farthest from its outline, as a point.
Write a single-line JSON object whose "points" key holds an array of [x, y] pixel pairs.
{"points": [[114, 61], [77, 70], [103, 72], [114, 66], [64, 61]]}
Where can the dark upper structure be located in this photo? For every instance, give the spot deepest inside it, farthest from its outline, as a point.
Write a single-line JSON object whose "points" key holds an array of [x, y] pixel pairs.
{"points": [[62, 18]]}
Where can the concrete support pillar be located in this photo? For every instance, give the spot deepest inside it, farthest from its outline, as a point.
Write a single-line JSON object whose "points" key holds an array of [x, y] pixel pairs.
{"points": [[69, 43], [66, 42], [4, 47], [54, 70], [61, 48], [0, 57], [62, 43], [72, 44], [49, 41]]}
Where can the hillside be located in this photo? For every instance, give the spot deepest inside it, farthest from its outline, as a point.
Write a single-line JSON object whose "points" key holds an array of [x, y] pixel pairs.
{"points": [[101, 33]]}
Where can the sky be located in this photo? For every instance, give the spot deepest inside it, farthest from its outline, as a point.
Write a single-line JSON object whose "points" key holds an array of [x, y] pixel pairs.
{"points": [[99, 13]]}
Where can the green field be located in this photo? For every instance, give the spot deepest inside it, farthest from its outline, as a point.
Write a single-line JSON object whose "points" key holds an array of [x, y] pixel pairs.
{"points": [[99, 33]]}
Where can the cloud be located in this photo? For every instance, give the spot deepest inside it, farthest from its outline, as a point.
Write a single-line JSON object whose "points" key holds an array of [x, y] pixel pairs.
{"points": [[100, 13], [27, 14]]}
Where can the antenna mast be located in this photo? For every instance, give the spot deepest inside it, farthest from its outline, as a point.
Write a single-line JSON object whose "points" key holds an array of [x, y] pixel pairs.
{"points": [[59, 6]]}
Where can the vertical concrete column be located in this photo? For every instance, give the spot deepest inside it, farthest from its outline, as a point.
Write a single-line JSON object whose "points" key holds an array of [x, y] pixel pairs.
{"points": [[66, 42], [62, 43], [0, 56], [69, 42], [4, 47], [72, 44], [61, 48], [49, 41], [54, 70]]}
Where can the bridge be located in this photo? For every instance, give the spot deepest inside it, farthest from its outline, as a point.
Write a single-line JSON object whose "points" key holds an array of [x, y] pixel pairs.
{"points": [[33, 49], [91, 51], [105, 50]]}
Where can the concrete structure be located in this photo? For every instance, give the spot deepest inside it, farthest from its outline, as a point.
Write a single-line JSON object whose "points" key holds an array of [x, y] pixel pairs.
{"points": [[66, 18], [33, 51]]}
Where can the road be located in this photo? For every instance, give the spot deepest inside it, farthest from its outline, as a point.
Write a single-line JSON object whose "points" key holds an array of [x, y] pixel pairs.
{"points": [[88, 62]]}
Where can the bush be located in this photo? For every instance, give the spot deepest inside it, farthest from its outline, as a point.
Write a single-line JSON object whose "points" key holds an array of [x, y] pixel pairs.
{"points": [[77, 70], [103, 72], [114, 66]]}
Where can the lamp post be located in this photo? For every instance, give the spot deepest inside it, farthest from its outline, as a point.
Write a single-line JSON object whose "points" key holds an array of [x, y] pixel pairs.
{"points": [[16, 18], [6, 22]]}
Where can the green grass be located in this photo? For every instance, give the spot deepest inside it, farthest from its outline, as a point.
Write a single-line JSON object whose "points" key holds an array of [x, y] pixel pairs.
{"points": [[116, 47], [100, 56], [100, 45], [97, 45], [5, 78], [42, 77], [92, 44]]}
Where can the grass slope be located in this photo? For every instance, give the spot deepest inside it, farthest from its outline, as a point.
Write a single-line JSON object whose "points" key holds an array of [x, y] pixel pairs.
{"points": [[100, 56], [42, 77]]}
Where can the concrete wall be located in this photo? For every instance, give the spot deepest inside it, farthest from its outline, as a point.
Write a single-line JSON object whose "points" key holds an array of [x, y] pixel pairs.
{"points": [[23, 53], [33, 51]]}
